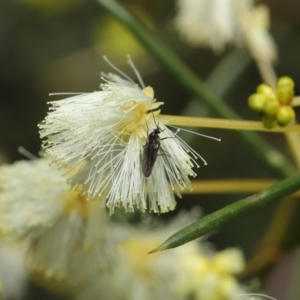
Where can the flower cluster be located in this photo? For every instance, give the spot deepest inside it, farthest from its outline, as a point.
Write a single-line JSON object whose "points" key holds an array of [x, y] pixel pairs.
{"points": [[210, 276], [274, 105], [69, 238], [198, 273], [101, 142], [52, 222]]}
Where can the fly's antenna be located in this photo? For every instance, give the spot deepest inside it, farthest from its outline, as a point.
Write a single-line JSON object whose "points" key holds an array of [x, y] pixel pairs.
{"points": [[154, 120], [136, 72], [156, 124], [26, 153], [118, 70], [147, 127]]}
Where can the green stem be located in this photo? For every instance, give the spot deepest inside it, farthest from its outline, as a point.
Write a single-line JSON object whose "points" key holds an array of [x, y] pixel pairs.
{"points": [[231, 212], [272, 159]]}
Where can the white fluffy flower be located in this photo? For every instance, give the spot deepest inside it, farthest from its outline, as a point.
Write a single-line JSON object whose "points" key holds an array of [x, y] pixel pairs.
{"points": [[13, 276], [255, 25], [37, 208], [99, 140], [192, 271], [131, 273], [215, 23], [210, 23]]}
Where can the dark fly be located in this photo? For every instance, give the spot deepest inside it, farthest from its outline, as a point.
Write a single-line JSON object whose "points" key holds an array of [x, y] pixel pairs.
{"points": [[150, 151], [151, 148]]}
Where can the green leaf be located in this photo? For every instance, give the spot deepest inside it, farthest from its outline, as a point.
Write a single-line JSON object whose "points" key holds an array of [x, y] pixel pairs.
{"points": [[231, 212]]}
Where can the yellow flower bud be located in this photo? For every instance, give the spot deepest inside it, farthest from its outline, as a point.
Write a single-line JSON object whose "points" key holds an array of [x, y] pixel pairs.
{"points": [[285, 94], [269, 121], [256, 102], [286, 80], [271, 107], [266, 90], [285, 115]]}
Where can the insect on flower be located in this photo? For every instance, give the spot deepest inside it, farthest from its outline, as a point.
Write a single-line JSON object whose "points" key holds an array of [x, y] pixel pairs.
{"points": [[151, 149], [107, 143]]}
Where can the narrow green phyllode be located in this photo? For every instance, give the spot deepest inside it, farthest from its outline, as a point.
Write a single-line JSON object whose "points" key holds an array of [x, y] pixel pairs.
{"points": [[231, 212]]}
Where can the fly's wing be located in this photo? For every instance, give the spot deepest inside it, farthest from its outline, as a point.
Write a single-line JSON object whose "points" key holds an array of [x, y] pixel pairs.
{"points": [[149, 157]]}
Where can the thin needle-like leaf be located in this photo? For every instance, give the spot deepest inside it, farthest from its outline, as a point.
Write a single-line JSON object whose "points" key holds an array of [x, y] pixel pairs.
{"points": [[231, 212]]}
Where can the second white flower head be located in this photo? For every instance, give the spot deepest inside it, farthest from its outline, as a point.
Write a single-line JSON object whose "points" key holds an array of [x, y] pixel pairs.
{"points": [[99, 139]]}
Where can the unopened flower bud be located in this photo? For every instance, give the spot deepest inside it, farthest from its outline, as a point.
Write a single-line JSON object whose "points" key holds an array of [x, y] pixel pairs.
{"points": [[269, 121], [271, 107], [285, 115], [285, 94], [256, 102], [266, 90], [285, 80]]}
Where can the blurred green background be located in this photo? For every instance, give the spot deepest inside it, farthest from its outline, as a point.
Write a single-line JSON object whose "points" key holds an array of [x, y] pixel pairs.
{"points": [[49, 46]]}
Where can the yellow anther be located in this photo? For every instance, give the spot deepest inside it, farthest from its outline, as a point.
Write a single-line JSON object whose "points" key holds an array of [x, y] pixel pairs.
{"points": [[148, 91]]}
